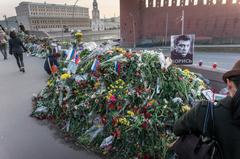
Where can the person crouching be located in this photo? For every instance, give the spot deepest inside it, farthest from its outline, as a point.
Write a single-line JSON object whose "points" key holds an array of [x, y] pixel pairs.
{"points": [[51, 64]]}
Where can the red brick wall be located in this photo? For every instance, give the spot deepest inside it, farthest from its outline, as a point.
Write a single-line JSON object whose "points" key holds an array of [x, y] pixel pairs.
{"points": [[204, 20]]}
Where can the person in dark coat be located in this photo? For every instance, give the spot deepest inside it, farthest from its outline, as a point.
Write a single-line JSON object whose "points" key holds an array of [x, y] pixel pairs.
{"points": [[50, 61], [22, 28], [3, 43], [17, 48], [226, 117]]}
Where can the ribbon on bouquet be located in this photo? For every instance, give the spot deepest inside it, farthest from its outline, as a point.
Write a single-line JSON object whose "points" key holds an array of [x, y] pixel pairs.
{"points": [[117, 67]]}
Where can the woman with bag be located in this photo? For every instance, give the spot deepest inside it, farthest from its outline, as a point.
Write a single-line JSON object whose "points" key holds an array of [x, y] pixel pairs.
{"points": [[17, 48], [51, 63], [226, 120]]}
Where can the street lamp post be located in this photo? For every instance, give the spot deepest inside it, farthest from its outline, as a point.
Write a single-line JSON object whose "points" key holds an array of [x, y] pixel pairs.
{"points": [[74, 12], [183, 18], [166, 31], [5, 17], [134, 33]]}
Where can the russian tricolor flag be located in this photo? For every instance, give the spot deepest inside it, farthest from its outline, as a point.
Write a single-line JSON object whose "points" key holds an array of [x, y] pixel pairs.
{"points": [[77, 59], [73, 54]]}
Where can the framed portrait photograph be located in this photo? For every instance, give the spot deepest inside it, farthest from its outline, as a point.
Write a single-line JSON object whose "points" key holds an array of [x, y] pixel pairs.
{"points": [[182, 49]]}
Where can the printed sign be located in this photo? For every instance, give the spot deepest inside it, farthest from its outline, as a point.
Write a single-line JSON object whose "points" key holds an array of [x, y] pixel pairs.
{"points": [[182, 49]]}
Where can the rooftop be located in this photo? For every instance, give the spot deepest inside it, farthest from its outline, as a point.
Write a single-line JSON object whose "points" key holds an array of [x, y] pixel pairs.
{"points": [[60, 5]]}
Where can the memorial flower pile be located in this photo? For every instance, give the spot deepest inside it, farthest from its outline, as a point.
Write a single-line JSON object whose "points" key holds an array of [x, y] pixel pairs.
{"points": [[120, 103]]}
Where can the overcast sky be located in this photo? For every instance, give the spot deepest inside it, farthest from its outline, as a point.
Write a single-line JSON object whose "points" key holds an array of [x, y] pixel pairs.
{"points": [[106, 7]]}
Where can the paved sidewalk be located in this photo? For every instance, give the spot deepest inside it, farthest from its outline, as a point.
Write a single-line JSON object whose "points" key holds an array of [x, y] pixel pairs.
{"points": [[22, 137]]}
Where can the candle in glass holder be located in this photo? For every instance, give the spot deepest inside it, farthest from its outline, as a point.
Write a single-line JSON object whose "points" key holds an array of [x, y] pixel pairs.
{"points": [[214, 65]]}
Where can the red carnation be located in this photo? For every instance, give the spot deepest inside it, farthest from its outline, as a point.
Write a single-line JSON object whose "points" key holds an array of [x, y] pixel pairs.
{"points": [[113, 99], [104, 120], [147, 115], [117, 133], [144, 125], [147, 157], [119, 107], [114, 121], [111, 106]]}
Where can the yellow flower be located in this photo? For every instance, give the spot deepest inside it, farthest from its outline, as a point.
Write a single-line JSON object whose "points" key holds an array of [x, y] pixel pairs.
{"points": [[152, 101], [50, 83], [109, 95], [97, 84], [65, 76], [119, 50], [78, 34], [104, 152], [186, 73], [201, 87], [130, 113], [185, 108], [123, 121]]}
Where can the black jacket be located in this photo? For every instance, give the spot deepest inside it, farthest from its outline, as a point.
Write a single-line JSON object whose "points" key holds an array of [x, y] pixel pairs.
{"points": [[16, 46], [227, 131], [52, 61]]}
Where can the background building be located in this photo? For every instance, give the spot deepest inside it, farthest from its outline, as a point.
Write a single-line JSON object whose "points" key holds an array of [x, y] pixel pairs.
{"points": [[10, 22], [52, 17], [154, 21], [97, 23]]}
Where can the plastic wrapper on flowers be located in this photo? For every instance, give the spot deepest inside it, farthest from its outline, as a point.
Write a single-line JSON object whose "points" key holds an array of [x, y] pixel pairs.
{"points": [[120, 103]]}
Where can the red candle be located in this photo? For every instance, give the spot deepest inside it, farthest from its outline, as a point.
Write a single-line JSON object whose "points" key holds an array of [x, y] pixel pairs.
{"points": [[214, 65]]}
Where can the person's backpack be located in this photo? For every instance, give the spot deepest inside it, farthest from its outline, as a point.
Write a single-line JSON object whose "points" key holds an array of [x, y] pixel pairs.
{"points": [[191, 146]]}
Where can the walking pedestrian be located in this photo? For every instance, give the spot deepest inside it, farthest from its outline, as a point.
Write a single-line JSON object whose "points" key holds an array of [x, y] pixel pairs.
{"points": [[3, 43], [17, 48], [226, 117]]}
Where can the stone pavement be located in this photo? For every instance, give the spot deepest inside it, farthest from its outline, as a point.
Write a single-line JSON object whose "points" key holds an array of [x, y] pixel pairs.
{"points": [[22, 137]]}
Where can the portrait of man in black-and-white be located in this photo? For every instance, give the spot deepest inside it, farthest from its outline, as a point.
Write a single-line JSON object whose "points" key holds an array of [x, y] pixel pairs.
{"points": [[182, 49]]}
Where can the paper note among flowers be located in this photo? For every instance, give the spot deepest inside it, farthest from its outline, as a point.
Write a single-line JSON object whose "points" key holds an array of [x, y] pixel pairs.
{"points": [[212, 96]]}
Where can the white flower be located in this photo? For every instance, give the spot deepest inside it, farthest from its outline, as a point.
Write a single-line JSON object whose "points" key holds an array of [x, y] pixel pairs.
{"points": [[165, 101], [107, 141], [93, 96], [75, 107], [119, 58], [168, 62], [41, 109], [177, 100]]}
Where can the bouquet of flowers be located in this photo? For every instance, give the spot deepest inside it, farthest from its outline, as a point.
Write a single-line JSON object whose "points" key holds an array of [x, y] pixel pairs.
{"points": [[78, 36]]}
